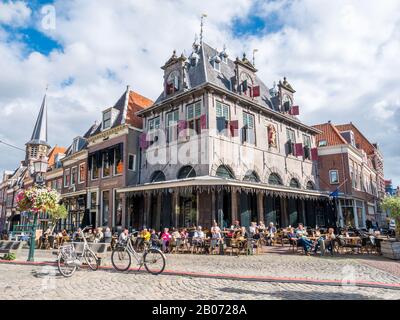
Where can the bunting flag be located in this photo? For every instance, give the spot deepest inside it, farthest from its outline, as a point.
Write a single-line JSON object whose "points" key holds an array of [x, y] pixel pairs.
{"points": [[294, 111], [314, 154], [298, 149], [203, 121], [234, 127], [143, 143], [334, 194], [256, 91]]}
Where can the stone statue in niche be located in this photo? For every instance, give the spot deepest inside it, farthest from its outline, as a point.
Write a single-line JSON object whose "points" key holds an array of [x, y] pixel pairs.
{"points": [[271, 136]]}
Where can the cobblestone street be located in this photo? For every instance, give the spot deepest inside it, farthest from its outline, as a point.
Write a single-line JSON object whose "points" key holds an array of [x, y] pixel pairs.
{"points": [[44, 282]]}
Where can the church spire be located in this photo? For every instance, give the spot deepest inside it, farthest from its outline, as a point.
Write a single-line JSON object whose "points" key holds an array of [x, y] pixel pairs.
{"points": [[38, 146], [39, 134]]}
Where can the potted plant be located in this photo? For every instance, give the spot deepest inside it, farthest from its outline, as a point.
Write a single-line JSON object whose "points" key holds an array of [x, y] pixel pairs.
{"points": [[391, 249]]}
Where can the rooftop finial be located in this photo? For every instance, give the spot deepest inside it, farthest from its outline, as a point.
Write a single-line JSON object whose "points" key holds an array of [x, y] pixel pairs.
{"points": [[201, 27], [254, 60]]}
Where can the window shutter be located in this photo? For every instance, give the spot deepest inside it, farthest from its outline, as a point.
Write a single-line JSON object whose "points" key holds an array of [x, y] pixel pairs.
{"points": [[144, 144], [256, 91], [203, 121], [294, 111], [220, 124], [299, 149], [244, 86], [314, 154], [182, 125], [234, 126]]}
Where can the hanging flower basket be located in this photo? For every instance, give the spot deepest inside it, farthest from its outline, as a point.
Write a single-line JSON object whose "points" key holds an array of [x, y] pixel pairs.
{"points": [[38, 200]]}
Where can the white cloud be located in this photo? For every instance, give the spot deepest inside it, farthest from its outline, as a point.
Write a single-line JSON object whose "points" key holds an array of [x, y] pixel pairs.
{"points": [[341, 57], [15, 13]]}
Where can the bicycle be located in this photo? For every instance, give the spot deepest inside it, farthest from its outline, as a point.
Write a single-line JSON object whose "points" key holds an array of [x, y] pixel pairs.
{"points": [[69, 260], [152, 258]]}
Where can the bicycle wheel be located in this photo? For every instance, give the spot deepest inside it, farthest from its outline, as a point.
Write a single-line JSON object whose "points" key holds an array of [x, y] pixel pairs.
{"points": [[91, 260], [154, 261], [67, 269], [121, 259]]}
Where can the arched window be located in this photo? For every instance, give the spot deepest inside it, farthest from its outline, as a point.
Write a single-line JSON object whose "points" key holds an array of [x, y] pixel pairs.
{"points": [[186, 172], [310, 185], [225, 172], [274, 179], [294, 183], [251, 176], [157, 176]]}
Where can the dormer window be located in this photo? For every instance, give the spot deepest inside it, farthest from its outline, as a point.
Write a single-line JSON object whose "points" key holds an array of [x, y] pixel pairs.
{"points": [[217, 66], [107, 119], [286, 103], [75, 145], [172, 84]]}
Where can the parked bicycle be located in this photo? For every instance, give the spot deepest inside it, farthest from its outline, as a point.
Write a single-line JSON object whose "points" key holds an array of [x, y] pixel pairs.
{"points": [[69, 259], [152, 258]]}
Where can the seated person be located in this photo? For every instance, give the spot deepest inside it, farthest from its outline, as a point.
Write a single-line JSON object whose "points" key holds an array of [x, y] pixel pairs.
{"points": [[175, 234], [123, 237], [184, 234], [235, 226], [99, 235], [166, 238], [199, 236], [216, 235], [301, 234], [326, 242], [76, 236], [271, 231], [107, 235], [154, 239], [261, 227], [252, 229]]}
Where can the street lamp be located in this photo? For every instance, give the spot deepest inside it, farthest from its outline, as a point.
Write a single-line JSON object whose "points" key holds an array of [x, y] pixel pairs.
{"points": [[39, 168]]}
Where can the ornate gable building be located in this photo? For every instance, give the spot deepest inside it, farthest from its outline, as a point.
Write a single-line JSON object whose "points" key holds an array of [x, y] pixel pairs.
{"points": [[218, 144]]}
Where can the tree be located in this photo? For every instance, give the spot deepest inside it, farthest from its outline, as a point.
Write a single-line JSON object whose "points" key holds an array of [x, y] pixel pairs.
{"points": [[60, 212], [393, 205]]}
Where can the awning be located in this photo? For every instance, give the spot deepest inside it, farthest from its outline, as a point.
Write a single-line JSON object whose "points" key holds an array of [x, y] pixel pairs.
{"points": [[73, 194], [211, 184]]}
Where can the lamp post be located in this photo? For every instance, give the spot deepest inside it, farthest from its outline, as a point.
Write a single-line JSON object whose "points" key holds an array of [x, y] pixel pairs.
{"points": [[39, 168]]}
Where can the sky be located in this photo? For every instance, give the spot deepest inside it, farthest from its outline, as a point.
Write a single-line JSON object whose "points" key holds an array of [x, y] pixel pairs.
{"points": [[341, 57]]}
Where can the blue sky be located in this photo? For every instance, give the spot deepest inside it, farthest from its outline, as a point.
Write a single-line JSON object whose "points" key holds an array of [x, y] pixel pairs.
{"points": [[339, 56]]}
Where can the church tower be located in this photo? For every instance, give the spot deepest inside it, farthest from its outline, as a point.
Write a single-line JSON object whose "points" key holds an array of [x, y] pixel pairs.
{"points": [[38, 146]]}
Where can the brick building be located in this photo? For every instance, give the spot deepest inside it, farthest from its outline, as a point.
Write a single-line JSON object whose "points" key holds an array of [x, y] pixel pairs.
{"points": [[351, 164]]}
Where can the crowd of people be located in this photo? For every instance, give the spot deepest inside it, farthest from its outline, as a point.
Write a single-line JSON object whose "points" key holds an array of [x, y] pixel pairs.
{"points": [[198, 236], [95, 235]]}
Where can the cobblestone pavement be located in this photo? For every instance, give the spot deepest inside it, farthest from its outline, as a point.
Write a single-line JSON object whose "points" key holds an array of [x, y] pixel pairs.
{"points": [[44, 282], [351, 267]]}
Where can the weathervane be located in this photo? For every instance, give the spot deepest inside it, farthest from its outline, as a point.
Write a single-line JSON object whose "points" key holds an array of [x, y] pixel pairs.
{"points": [[201, 27], [254, 60]]}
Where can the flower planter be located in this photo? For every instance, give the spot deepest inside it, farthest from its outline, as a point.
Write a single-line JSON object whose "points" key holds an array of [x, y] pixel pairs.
{"points": [[391, 249]]}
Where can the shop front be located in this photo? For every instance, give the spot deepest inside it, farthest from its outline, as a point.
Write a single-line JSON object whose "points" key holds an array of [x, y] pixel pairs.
{"points": [[201, 200]]}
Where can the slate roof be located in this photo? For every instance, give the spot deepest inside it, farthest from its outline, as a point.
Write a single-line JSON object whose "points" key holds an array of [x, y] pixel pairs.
{"points": [[204, 72], [39, 134]]}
